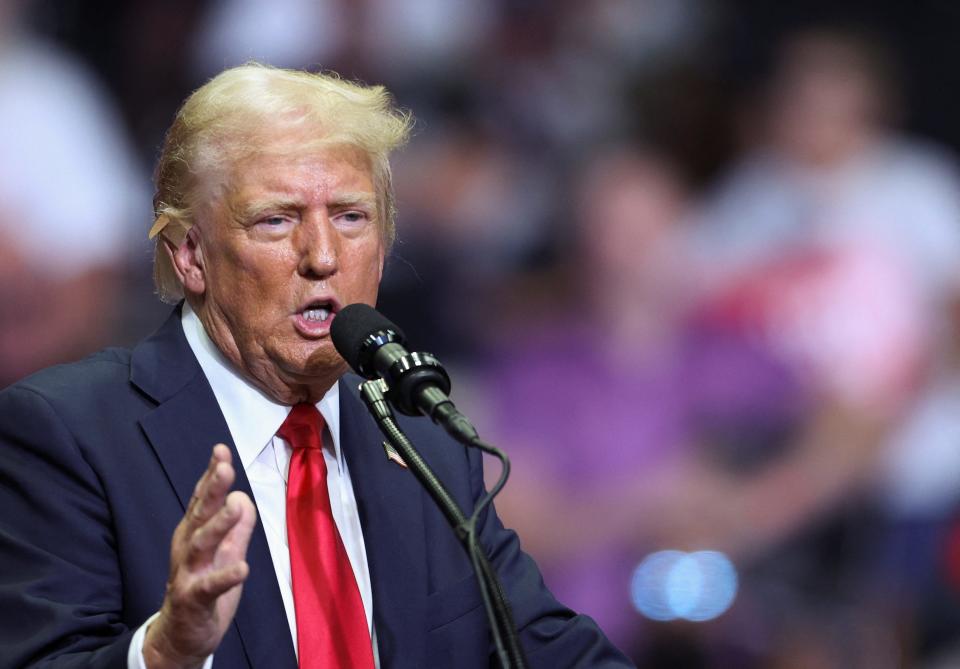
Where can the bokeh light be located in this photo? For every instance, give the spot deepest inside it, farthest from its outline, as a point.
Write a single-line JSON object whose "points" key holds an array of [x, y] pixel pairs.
{"points": [[671, 584]]}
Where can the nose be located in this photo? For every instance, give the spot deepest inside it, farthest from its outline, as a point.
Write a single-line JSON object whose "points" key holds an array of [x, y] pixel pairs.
{"points": [[317, 245]]}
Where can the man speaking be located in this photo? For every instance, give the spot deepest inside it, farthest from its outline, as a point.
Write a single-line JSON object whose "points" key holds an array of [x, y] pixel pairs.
{"points": [[125, 541]]}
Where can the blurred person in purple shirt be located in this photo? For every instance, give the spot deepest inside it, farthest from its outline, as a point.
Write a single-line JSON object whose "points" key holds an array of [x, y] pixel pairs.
{"points": [[587, 391]]}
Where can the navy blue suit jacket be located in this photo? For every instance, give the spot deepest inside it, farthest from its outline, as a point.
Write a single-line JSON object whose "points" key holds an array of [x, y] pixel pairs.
{"points": [[98, 460]]}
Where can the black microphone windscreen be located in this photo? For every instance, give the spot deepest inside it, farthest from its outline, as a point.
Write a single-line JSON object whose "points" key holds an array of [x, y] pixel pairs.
{"points": [[353, 325]]}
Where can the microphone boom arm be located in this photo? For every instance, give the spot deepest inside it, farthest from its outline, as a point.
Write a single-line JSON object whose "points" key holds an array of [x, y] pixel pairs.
{"points": [[502, 626]]}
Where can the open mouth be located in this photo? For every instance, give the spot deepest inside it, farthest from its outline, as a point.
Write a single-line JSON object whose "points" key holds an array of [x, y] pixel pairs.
{"points": [[317, 312]]}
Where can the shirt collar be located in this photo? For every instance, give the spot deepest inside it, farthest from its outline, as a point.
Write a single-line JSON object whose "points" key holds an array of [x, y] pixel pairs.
{"points": [[252, 417]]}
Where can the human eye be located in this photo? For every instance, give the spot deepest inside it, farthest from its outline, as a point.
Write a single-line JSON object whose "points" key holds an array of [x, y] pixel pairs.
{"points": [[271, 224], [273, 221], [352, 219]]}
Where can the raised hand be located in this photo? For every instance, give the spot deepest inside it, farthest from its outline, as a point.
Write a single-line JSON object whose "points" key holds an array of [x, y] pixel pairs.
{"points": [[207, 570]]}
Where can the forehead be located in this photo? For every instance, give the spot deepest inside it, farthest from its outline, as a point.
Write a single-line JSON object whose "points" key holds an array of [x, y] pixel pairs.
{"points": [[285, 160], [291, 157]]}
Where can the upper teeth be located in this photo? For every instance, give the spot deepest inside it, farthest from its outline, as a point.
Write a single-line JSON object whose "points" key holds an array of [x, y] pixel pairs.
{"points": [[316, 314]]}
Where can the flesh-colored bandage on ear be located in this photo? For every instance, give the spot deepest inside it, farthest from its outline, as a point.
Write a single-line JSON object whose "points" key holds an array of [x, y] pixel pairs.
{"points": [[162, 221], [172, 228]]}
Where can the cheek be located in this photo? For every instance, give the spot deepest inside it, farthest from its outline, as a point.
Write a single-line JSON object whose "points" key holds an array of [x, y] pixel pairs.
{"points": [[374, 273], [364, 260], [248, 282], [256, 270]]}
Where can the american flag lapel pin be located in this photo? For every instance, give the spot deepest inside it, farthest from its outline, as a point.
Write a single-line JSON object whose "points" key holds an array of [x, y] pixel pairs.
{"points": [[393, 455]]}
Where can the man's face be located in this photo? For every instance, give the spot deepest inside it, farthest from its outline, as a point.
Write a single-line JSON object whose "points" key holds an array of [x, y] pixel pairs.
{"points": [[282, 242]]}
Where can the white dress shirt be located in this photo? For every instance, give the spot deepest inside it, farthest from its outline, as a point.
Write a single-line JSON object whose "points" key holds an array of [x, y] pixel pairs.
{"points": [[253, 420]]}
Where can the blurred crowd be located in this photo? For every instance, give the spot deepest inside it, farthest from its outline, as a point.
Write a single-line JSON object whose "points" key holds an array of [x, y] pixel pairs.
{"points": [[686, 260]]}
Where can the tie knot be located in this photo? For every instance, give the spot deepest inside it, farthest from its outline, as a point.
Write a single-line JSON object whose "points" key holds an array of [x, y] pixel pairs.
{"points": [[303, 427]]}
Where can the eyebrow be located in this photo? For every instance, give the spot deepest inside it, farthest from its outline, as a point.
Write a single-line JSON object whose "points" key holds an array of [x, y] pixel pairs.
{"points": [[354, 199], [254, 208], [250, 210]]}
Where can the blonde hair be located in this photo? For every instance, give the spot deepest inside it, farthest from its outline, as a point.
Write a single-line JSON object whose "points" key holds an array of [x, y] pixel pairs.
{"points": [[220, 122]]}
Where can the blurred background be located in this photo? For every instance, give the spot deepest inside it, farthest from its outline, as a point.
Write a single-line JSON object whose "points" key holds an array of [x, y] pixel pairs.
{"points": [[695, 264]]}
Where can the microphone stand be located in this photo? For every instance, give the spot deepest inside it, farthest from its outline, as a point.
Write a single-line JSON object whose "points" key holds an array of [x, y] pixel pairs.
{"points": [[502, 626]]}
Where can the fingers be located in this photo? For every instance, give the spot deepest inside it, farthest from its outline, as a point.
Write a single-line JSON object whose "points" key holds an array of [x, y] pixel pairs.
{"points": [[226, 538], [217, 538], [211, 490], [212, 584], [207, 566], [238, 538], [206, 538]]}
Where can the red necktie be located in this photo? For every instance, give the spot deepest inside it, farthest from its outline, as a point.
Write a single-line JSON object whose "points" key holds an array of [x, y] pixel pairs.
{"points": [[331, 624]]}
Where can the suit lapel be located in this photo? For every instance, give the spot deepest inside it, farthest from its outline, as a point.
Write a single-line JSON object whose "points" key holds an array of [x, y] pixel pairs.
{"points": [[182, 430], [389, 500]]}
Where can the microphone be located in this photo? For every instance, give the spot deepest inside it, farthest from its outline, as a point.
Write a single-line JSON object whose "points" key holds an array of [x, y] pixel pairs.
{"points": [[417, 383]]}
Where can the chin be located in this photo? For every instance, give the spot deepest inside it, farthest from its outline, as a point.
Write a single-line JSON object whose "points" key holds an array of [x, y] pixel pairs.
{"points": [[303, 361], [319, 364]]}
